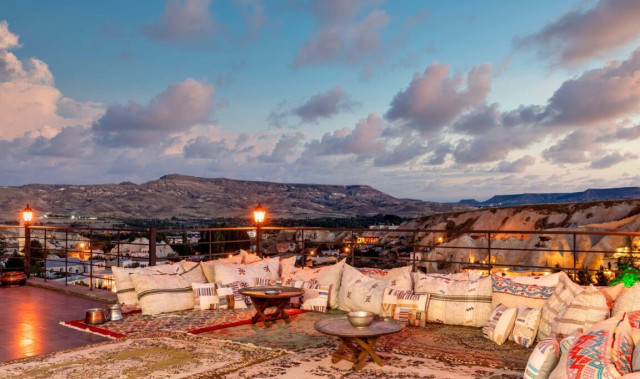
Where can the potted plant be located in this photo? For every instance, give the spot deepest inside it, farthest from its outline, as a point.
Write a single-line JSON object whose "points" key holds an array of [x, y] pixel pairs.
{"points": [[13, 273]]}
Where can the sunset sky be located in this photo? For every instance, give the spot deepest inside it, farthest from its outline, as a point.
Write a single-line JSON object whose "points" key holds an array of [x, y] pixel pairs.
{"points": [[432, 100]]}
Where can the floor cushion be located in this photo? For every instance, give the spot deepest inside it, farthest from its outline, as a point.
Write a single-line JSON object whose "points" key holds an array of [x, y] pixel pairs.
{"points": [[499, 325], [125, 289], [543, 359], [586, 309], [511, 293], [162, 293], [359, 292], [405, 306], [327, 275], [525, 327], [562, 296], [628, 301]]}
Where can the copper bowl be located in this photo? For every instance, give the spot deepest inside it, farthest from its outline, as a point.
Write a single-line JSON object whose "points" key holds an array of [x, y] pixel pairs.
{"points": [[360, 319], [95, 316]]}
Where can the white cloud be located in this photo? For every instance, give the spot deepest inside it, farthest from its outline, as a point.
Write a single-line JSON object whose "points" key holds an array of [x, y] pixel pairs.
{"points": [[8, 40]]}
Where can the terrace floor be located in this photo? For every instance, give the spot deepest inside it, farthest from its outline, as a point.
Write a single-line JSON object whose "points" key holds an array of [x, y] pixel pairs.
{"points": [[30, 317]]}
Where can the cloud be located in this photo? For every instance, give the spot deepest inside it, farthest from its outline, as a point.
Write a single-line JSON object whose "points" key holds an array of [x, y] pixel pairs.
{"points": [[176, 110], [70, 142], [253, 12], [621, 133], [517, 166], [8, 40], [340, 36], [479, 121], [612, 159], [434, 99], [203, 147], [183, 20], [324, 105], [584, 34], [405, 151], [30, 70], [576, 147], [284, 148]]}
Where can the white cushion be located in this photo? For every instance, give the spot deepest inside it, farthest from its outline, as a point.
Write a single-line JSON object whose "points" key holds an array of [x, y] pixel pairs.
{"points": [[500, 323], [405, 306], [358, 292], [315, 297], [246, 274], [205, 295], [628, 301], [326, 275], [586, 309], [162, 293], [562, 296], [543, 359], [125, 289], [526, 325], [193, 272]]}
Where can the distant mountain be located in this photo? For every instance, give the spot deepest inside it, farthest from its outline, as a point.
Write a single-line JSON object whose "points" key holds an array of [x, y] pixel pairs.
{"points": [[193, 197], [549, 198]]}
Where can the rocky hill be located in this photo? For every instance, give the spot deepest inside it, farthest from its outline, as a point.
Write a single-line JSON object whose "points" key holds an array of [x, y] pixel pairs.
{"points": [[193, 197], [550, 198]]}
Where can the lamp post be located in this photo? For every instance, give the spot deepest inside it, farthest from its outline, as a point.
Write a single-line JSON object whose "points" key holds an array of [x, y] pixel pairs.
{"points": [[27, 216], [258, 216]]}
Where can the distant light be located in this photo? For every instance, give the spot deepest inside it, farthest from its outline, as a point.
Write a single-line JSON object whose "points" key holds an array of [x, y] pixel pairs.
{"points": [[73, 217]]}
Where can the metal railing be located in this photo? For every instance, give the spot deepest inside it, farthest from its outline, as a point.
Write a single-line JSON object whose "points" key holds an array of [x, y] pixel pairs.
{"points": [[85, 255]]}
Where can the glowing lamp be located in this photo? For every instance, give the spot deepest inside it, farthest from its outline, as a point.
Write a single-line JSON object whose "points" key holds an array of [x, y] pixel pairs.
{"points": [[259, 214], [27, 214], [440, 239]]}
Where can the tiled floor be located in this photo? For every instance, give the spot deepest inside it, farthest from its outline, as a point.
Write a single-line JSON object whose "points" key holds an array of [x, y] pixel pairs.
{"points": [[30, 317]]}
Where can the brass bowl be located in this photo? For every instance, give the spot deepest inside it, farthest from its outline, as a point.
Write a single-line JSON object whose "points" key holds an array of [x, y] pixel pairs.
{"points": [[360, 319], [95, 316], [271, 292]]}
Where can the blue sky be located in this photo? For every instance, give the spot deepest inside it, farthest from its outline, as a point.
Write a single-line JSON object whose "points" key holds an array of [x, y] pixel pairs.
{"points": [[422, 99]]}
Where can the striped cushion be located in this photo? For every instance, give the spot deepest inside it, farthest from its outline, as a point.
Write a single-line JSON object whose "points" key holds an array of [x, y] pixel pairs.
{"points": [[562, 296], [586, 309], [193, 272], [543, 359], [124, 286], [162, 293], [525, 327], [205, 295], [500, 323], [315, 298], [232, 288], [405, 306]]}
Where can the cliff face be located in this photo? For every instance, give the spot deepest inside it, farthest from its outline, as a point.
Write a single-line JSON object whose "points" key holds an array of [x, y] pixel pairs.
{"points": [[187, 196]]}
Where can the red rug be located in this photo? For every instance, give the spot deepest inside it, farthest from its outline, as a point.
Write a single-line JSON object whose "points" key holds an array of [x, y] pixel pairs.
{"points": [[193, 321]]}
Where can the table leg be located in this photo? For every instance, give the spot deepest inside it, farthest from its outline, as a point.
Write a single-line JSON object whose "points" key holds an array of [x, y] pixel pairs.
{"points": [[367, 345], [360, 351], [261, 306]]}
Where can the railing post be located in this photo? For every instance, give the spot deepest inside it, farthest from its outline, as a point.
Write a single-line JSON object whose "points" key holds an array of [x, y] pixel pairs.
{"points": [[27, 249], [44, 262], [66, 257], [152, 246], [209, 244], [90, 261], [304, 252], [489, 251], [575, 272], [415, 252], [118, 250], [353, 250]]}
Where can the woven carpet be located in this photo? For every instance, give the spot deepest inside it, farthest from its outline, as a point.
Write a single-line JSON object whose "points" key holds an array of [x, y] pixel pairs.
{"points": [[156, 355], [451, 345], [194, 321]]}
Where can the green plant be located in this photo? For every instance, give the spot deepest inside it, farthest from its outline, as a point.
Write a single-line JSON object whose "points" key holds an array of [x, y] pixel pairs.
{"points": [[15, 263]]}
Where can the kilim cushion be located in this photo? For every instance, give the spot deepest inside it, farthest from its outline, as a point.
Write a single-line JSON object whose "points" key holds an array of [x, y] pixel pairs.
{"points": [[586, 309], [231, 289], [500, 324], [205, 295], [125, 290], [511, 293], [162, 293], [327, 276], [193, 272], [457, 302], [405, 306], [605, 351], [247, 273], [562, 296], [543, 359], [359, 292], [628, 301], [315, 298], [525, 327], [398, 278]]}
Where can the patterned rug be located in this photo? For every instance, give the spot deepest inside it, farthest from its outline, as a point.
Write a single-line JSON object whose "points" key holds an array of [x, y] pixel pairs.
{"points": [[448, 344], [194, 321], [315, 362], [157, 355]]}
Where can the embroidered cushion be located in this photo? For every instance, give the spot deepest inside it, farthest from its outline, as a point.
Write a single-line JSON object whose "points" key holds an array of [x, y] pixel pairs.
{"points": [[628, 301], [205, 295], [359, 292], [457, 302], [125, 289], [604, 351], [511, 293], [525, 328], [586, 309], [405, 306], [162, 293], [543, 359], [315, 298], [550, 280], [246, 274], [562, 296], [398, 278], [327, 276], [500, 323]]}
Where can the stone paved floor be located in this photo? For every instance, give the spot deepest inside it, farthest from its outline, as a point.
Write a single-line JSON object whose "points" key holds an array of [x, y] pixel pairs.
{"points": [[29, 321]]}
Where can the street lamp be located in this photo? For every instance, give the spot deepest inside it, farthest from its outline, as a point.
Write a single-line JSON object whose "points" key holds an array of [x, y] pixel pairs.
{"points": [[258, 216], [27, 216]]}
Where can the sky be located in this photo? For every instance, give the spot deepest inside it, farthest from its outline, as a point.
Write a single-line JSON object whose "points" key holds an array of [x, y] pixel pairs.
{"points": [[429, 100]]}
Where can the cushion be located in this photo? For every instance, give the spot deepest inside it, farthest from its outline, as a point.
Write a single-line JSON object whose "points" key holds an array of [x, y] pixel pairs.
{"points": [[611, 293], [125, 290], [563, 295], [604, 351], [193, 272], [398, 278], [457, 302], [326, 275], [628, 301], [405, 306], [525, 328], [543, 359], [231, 289], [500, 323], [205, 295], [287, 265], [246, 273], [550, 280], [358, 292], [511, 293], [586, 309], [315, 298], [162, 293], [249, 258], [208, 267], [567, 342]]}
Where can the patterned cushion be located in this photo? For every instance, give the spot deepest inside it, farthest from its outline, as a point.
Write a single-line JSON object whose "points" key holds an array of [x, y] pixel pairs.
{"points": [[586, 309], [162, 293], [511, 293], [525, 327], [543, 359], [205, 295], [315, 298], [231, 289], [562, 296], [246, 274], [405, 306], [193, 272], [397, 278], [327, 276], [612, 293], [500, 323], [629, 301], [457, 302], [358, 292], [605, 351], [550, 280], [567, 342], [124, 286]]}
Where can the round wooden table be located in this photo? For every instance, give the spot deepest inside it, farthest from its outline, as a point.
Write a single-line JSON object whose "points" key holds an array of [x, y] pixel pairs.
{"points": [[262, 301], [359, 341]]}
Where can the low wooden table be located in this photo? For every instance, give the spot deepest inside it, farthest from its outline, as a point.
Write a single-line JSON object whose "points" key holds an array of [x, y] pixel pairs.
{"points": [[262, 301], [359, 341]]}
